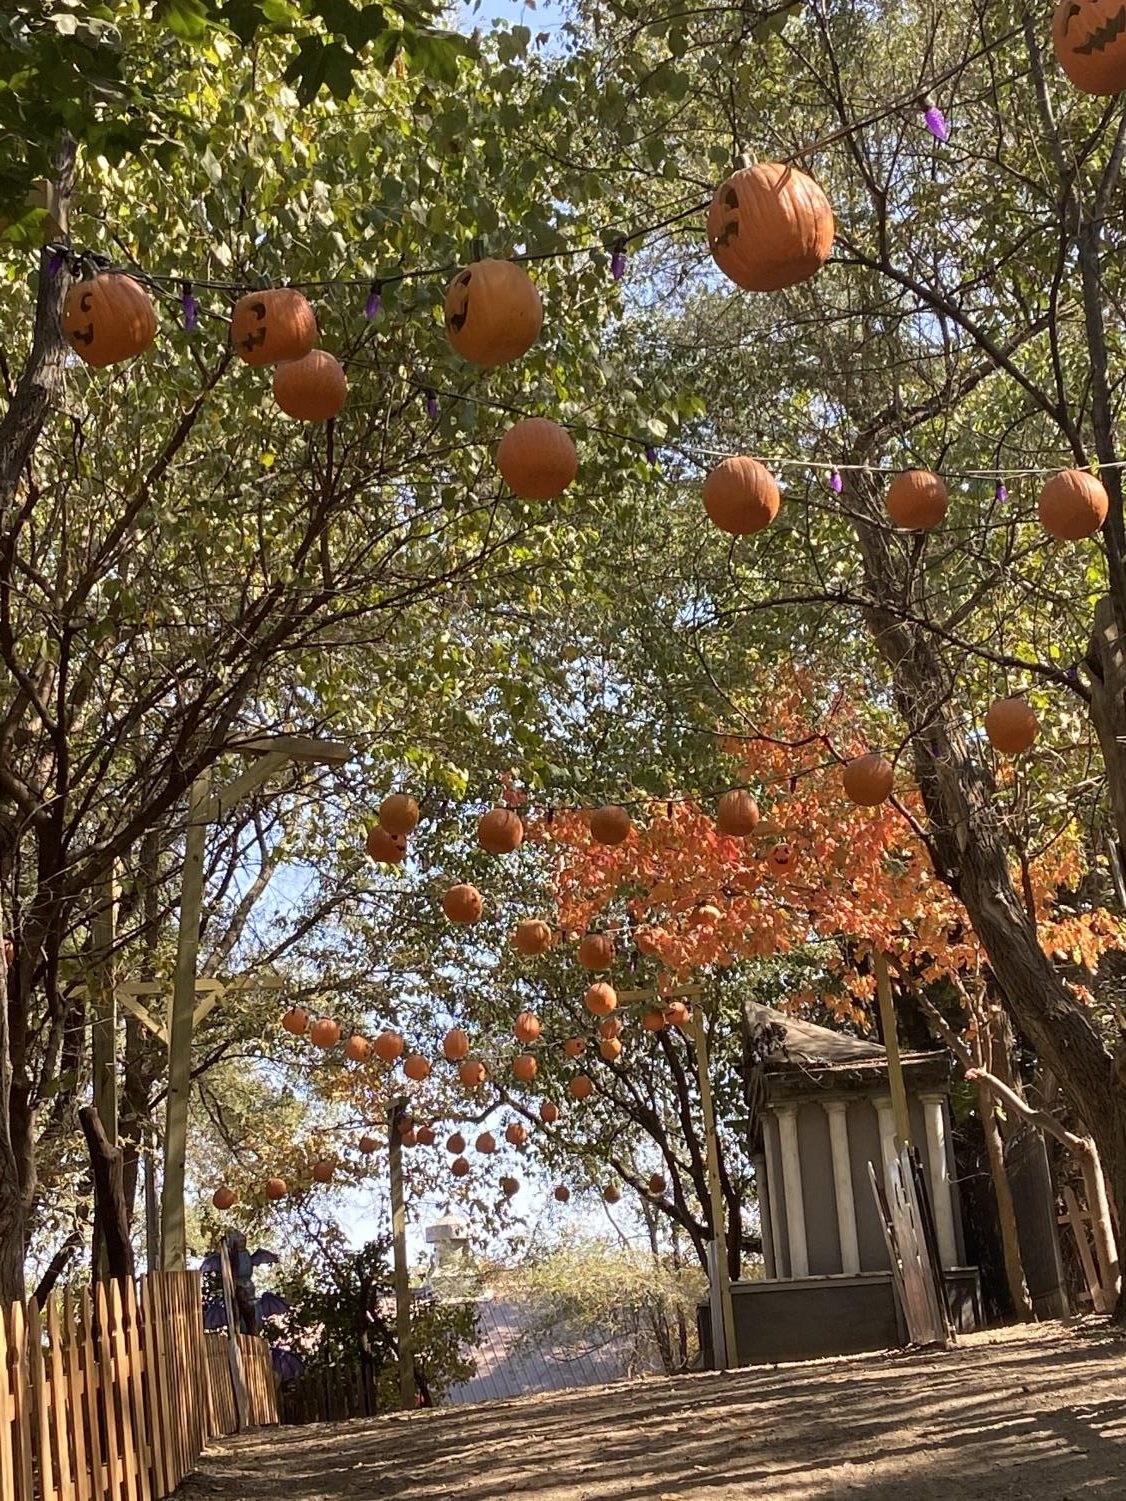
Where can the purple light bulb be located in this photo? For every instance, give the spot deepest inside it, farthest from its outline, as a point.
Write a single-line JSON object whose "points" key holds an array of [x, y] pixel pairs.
{"points": [[836, 484], [1001, 494], [190, 307], [618, 261], [55, 264], [371, 307], [936, 123], [432, 406], [650, 454]]}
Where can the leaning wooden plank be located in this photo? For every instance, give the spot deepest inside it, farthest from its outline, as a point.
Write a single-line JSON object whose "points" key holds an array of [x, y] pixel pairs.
{"points": [[7, 1414], [61, 1405], [21, 1397], [99, 1433], [136, 1391], [77, 1409], [1083, 1245]]}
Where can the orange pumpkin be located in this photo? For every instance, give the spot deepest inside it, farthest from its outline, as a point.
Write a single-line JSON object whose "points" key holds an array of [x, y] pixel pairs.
{"points": [[455, 1143], [610, 825], [1073, 503], [368, 1145], [549, 1112], [399, 814], [459, 1167], [653, 1020], [455, 1045], [357, 1049], [600, 998], [741, 496], [782, 858], [677, 1014], [463, 904], [486, 1143], [472, 1073], [575, 1047], [917, 500], [416, 1067], [273, 325], [736, 813], [612, 1193], [610, 1048], [223, 1198], [868, 780], [596, 951], [657, 1185], [611, 1027], [426, 1136], [769, 226], [527, 1027], [581, 1087], [510, 1187], [311, 389], [108, 318], [516, 1134], [323, 1171], [1011, 725], [296, 1021], [532, 937], [706, 915], [385, 847], [500, 831], [1090, 43], [525, 1068], [562, 1193], [276, 1188], [493, 312], [537, 458], [388, 1046], [410, 1137], [324, 1032], [405, 1124]]}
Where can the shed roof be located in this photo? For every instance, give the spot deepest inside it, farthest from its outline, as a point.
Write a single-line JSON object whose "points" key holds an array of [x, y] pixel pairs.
{"points": [[806, 1043]]}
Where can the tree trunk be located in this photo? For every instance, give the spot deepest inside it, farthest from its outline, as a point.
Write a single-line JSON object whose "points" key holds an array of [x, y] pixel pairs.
{"points": [[109, 1196], [1106, 661], [1006, 1210]]}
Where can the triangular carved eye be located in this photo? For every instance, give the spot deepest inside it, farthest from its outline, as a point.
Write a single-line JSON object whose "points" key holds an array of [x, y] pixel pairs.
{"points": [[729, 231], [465, 278], [259, 310], [731, 198]]}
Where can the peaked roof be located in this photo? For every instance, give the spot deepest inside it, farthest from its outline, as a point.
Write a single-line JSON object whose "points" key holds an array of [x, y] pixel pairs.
{"points": [[807, 1043]]}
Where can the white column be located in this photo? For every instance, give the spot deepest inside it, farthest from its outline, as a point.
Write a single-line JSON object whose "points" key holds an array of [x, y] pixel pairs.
{"points": [[765, 1214], [887, 1136], [791, 1184], [770, 1137], [935, 1117], [837, 1111]]}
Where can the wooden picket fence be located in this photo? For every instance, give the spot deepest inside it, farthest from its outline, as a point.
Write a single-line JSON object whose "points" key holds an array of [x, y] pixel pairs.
{"points": [[111, 1395]]}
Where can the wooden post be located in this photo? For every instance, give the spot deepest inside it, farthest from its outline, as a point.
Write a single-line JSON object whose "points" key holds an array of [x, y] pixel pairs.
{"points": [[103, 1008], [715, 1189], [173, 1245], [234, 1349], [152, 1209], [402, 1274], [891, 1047]]}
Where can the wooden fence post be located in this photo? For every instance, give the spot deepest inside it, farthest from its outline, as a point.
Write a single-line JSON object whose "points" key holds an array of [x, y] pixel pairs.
{"points": [[399, 1244], [891, 1046]]}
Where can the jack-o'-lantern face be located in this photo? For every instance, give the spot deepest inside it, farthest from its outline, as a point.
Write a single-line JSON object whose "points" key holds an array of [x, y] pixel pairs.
{"points": [[493, 312], [770, 226], [1090, 41], [273, 325], [782, 858], [108, 318]]}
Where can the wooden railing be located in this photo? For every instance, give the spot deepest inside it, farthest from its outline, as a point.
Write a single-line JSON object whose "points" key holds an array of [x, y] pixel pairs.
{"points": [[111, 1395]]}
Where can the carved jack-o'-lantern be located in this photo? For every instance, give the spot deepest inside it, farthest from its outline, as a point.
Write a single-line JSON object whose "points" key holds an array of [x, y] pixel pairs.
{"points": [[770, 226], [1090, 41], [108, 318], [273, 325], [463, 904], [493, 312], [532, 937]]}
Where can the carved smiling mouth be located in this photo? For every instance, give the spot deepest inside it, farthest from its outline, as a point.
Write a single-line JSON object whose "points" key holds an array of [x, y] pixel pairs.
{"points": [[1101, 38]]}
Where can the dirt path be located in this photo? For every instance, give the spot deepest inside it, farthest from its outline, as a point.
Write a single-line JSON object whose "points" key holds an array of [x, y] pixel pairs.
{"points": [[1038, 1415]]}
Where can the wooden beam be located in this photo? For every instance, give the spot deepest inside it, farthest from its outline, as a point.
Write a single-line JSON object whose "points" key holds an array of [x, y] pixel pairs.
{"points": [[891, 1047], [402, 1273], [715, 1187], [144, 1016], [306, 750]]}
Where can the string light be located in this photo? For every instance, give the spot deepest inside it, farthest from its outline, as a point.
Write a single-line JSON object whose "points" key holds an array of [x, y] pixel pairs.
{"points": [[650, 454], [618, 261], [190, 307], [1001, 493], [935, 120], [431, 406], [375, 299], [836, 484]]}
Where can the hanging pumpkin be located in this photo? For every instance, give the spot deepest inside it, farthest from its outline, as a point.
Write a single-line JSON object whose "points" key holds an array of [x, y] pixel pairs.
{"points": [[917, 500], [527, 1027], [368, 1145], [463, 904], [426, 1136], [385, 847], [769, 226], [610, 1048], [357, 1049], [410, 1137], [1073, 503], [596, 951], [612, 1193], [324, 1032], [276, 1188], [1011, 725], [493, 313], [510, 1187], [782, 858], [677, 1014], [562, 1193], [736, 813], [868, 780], [273, 325], [537, 458], [455, 1143], [741, 496], [472, 1073], [600, 998], [313, 388], [296, 1021], [108, 318], [706, 915], [611, 1027], [388, 1046], [574, 1047], [532, 937], [500, 831], [581, 1087], [516, 1134], [405, 1124], [1090, 43], [653, 1020], [610, 825], [657, 1185], [549, 1112], [460, 1167], [323, 1171], [455, 1045], [416, 1067], [524, 1067], [223, 1198], [399, 815], [486, 1143]]}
